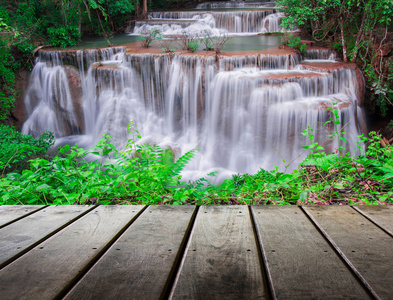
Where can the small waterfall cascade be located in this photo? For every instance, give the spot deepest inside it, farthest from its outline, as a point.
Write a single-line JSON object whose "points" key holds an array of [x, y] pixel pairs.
{"points": [[235, 4], [242, 112], [226, 19]]}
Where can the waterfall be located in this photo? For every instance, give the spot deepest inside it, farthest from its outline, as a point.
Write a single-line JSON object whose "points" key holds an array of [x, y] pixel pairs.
{"points": [[48, 98], [195, 22], [234, 4], [272, 23], [242, 112]]}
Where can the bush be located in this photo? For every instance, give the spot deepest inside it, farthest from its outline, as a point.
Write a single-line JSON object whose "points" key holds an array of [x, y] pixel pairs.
{"points": [[16, 148], [141, 174], [295, 43], [148, 36], [63, 36], [188, 41], [214, 43]]}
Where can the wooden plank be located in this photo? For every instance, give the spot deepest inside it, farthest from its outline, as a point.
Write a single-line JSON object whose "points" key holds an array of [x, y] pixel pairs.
{"points": [[382, 215], [10, 213], [222, 261], [301, 263], [366, 246], [48, 269], [19, 237], [140, 263]]}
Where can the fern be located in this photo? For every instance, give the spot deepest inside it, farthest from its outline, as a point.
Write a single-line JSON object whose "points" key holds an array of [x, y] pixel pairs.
{"points": [[179, 165]]}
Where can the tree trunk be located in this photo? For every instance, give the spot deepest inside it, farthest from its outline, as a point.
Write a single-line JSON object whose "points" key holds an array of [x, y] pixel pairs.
{"points": [[144, 9], [343, 44], [359, 38]]}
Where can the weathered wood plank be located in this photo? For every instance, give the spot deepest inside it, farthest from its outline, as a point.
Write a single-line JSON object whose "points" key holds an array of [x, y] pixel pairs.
{"points": [[18, 237], [222, 261], [367, 247], [10, 213], [140, 263], [48, 269], [382, 215], [301, 263]]}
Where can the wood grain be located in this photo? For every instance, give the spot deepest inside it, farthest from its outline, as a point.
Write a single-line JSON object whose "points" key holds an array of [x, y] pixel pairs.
{"points": [[48, 269], [368, 248], [222, 261], [10, 213], [139, 264], [381, 214], [302, 264], [18, 237]]}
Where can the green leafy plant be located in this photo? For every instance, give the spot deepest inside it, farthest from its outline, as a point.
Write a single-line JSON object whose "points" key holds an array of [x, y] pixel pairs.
{"points": [[295, 42], [140, 174], [64, 36], [188, 41], [214, 43], [148, 36], [17, 148], [193, 46]]}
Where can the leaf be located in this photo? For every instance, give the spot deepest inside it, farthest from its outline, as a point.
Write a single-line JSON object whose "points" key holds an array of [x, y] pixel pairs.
{"points": [[42, 187], [303, 196]]}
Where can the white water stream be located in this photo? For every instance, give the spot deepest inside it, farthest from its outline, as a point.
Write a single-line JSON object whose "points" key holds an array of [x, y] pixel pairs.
{"points": [[243, 113]]}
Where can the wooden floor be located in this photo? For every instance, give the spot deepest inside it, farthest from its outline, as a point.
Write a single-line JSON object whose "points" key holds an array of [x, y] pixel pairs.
{"points": [[190, 252]]}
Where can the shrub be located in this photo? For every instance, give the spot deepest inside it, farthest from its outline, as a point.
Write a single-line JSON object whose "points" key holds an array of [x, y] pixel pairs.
{"points": [[166, 45], [295, 43], [188, 41], [148, 36], [16, 148], [64, 36]]}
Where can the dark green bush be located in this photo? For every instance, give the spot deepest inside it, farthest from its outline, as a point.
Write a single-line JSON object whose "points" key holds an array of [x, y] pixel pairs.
{"points": [[64, 36], [16, 148]]}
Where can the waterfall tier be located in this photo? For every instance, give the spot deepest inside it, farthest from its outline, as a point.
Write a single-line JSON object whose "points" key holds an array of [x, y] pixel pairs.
{"points": [[213, 22], [242, 112]]}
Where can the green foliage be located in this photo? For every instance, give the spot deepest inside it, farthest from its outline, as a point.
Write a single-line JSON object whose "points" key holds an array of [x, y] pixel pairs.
{"points": [[140, 174], [148, 36], [193, 46], [214, 43], [119, 7], [63, 36], [146, 174], [7, 78], [382, 88], [16, 148], [295, 43]]}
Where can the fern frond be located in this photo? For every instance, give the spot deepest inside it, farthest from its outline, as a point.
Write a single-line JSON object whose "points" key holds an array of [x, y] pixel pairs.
{"points": [[179, 165]]}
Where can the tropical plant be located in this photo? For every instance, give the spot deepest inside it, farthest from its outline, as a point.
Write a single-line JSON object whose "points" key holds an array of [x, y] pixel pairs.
{"points": [[148, 36], [139, 174], [188, 41], [17, 148], [295, 43]]}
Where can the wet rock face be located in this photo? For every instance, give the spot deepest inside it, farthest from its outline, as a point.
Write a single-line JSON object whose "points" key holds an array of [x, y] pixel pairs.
{"points": [[359, 86], [19, 114], [75, 85]]}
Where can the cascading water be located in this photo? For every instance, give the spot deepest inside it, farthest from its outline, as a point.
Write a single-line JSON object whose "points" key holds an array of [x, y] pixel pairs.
{"points": [[242, 112], [234, 4], [214, 22]]}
